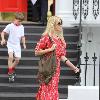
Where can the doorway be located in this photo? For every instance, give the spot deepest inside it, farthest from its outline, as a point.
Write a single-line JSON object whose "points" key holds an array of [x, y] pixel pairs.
{"points": [[34, 14]]}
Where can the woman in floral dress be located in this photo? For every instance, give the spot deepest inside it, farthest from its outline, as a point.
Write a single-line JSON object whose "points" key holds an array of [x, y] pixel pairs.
{"points": [[44, 46]]}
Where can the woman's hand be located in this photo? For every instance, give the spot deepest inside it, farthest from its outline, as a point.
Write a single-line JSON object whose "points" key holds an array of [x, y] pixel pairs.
{"points": [[53, 47], [76, 70], [41, 52]]}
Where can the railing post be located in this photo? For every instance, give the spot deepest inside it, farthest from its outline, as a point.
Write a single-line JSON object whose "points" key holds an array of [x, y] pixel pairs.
{"points": [[86, 60], [94, 60]]}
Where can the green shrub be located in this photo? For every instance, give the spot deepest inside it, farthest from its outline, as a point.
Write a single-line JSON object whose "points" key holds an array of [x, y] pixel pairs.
{"points": [[7, 16]]}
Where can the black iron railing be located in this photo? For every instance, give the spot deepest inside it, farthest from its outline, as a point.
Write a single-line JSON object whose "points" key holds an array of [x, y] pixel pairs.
{"points": [[86, 58]]}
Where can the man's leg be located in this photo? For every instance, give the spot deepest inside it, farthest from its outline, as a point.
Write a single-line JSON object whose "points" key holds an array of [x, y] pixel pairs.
{"points": [[10, 67], [36, 11], [44, 9], [10, 62], [15, 63], [17, 55]]}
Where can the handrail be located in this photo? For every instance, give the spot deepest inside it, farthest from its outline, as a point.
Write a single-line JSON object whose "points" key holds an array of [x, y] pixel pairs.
{"points": [[80, 34]]}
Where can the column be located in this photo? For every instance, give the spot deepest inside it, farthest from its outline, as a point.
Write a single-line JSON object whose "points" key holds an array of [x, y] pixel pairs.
{"points": [[64, 9]]}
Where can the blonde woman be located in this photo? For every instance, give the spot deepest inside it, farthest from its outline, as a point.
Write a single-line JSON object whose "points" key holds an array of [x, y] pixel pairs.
{"points": [[44, 46]]}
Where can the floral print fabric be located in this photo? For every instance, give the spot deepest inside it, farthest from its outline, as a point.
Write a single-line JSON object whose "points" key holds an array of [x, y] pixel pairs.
{"points": [[50, 91]]}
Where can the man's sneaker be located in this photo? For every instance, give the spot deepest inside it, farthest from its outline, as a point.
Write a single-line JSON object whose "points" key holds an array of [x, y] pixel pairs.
{"points": [[14, 74], [11, 77]]}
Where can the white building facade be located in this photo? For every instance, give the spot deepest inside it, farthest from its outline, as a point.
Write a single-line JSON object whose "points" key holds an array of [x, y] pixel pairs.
{"points": [[90, 32]]}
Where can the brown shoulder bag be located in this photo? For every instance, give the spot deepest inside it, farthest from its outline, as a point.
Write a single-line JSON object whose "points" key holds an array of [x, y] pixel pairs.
{"points": [[47, 67]]}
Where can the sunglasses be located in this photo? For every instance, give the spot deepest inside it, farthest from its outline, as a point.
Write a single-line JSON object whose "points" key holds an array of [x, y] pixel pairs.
{"points": [[60, 22]]}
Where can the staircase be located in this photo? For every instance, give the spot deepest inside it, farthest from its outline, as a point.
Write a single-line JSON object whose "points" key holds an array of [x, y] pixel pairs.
{"points": [[26, 86]]}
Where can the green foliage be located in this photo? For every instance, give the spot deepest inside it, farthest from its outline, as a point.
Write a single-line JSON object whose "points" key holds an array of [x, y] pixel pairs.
{"points": [[7, 16]]}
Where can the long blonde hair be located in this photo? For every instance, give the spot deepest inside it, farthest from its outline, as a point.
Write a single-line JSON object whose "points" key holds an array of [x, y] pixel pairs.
{"points": [[50, 27]]}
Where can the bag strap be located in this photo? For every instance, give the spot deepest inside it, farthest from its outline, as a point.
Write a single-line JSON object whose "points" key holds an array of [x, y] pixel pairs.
{"points": [[52, 43], [50, 39]]}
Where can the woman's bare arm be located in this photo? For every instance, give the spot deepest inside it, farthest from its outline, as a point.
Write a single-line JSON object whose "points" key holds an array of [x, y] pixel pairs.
{"points": [[68, 63], [41, 52]]}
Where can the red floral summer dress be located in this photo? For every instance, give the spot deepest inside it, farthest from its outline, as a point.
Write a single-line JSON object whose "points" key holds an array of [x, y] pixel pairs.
{"points": [[50, 91]]}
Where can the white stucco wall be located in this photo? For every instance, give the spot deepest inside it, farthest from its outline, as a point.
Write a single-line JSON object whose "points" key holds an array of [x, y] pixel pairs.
{"points": [[83, 92], [64, 9], [90, 48]]}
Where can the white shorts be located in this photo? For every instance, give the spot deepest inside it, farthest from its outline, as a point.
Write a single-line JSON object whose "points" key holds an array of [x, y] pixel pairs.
{"points": [[16, 49]]}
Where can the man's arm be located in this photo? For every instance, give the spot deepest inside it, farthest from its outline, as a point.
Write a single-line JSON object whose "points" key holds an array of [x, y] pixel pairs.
{"points": [[3, 41], [23, 41]]}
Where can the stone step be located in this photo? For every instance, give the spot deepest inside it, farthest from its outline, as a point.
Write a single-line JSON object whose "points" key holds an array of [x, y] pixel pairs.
{"points": [[28, 70], [23, 96], [28, 29], [26, 88], [32, 79], [32, 44], [41, 29], [30, 61], [30, 52], [68, 37], [17, 96], [37, 36]]}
